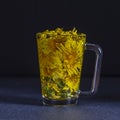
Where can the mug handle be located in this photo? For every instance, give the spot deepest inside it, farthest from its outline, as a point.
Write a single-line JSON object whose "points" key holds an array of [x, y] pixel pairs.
{"points": [[95, 82]]}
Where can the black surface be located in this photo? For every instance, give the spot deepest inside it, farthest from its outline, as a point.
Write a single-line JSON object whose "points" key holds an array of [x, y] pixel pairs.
{"points": [[86, 110], [20, 99]]}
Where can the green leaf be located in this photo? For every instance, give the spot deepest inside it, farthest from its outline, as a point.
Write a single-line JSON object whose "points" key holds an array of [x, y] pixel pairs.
{"points": [[60, 83]]}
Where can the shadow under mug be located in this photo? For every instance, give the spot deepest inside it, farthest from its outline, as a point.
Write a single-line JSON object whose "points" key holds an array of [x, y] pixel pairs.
{"points": [[60, 62]]}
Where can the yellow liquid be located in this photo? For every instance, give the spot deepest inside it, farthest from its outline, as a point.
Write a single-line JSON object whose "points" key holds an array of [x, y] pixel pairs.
{"points": [[60, 56]]}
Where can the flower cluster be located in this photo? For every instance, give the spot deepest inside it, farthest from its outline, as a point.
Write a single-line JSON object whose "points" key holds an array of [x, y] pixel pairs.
{"points": [[60, 56]]}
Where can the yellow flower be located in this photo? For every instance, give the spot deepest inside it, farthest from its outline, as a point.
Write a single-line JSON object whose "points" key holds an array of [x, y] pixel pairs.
{"points": [[72, 54], [72, 83]]}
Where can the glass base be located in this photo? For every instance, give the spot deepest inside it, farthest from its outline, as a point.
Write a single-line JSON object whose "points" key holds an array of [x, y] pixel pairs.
{"points": [[50, 102]]}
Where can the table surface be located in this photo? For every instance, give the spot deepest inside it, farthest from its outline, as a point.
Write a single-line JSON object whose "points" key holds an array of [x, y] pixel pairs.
{"points": [[20, 99]]}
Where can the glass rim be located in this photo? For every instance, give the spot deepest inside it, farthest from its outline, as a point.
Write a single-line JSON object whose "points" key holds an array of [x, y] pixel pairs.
{"points": [[78, 35]]}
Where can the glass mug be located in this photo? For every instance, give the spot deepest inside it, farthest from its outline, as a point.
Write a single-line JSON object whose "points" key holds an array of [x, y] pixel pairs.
{"points": [[60, 56]]}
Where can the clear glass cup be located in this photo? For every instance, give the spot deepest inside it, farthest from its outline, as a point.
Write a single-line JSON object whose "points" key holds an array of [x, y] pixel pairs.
{"points": [[60, 61]]}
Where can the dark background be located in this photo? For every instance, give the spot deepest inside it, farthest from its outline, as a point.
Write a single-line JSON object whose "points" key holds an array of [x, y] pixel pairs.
{"points": [[19, 71], [21, 19]]}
